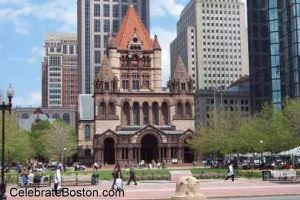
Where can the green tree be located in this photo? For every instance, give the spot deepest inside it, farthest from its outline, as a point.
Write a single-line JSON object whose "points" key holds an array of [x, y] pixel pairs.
{"points": [[38, 131], [17, 142], [60, 141], [216, 136], [292, 114], [235, 132]]}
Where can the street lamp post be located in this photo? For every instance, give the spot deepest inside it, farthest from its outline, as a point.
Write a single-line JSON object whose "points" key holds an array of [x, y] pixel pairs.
{"points": [[63, 156], [4, 107], [261, 153]]}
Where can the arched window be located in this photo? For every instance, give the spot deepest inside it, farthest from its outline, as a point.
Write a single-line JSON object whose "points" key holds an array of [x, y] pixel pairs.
{"points": [[155, 113], [145, 113], [126, 114], [25, 116], [87, 133], [165, 113], [179, 109], [183, 86], [188, 109], [66, 117], [136, 113], [102, 109], [112, 109], [55, 116]]}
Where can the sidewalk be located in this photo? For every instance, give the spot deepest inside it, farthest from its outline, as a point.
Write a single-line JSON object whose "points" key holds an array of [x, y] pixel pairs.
{"points": [[211, 188]]}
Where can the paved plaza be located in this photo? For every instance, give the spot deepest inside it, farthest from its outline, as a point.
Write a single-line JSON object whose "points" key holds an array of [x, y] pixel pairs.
{"points": [[213, 189]]}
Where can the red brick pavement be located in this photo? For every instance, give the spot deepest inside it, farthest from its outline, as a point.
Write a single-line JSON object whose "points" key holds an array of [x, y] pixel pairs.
{"points": [[215, 188]]}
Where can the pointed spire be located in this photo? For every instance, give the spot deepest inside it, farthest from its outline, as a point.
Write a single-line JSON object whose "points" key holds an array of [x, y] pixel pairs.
{"points": [[180, 72], [156, 45], [104, 61], [131, 25], [105, 73]]}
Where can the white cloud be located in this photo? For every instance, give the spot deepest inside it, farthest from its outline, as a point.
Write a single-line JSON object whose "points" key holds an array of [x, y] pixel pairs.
{"points": [[33, 99], [36, 54], [166, 7], [11, 1], [165, 37], [60, 11]]}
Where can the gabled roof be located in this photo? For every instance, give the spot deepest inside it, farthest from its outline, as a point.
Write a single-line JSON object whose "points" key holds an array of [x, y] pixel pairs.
{"points": [[132, 24], [140, 130], [38, 111], [180, 72], [105, 72]]}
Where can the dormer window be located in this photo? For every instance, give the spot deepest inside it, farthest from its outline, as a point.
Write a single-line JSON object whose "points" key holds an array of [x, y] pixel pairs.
{"points": [[135, 39], [106, 85], [135, 44]]}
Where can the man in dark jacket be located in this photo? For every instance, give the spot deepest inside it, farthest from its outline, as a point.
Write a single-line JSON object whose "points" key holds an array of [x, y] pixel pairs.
{"points": [[132, 176]]}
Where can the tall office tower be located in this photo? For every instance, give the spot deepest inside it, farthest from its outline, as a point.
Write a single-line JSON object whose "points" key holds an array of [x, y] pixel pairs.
{"points": [[212, 41], [97, 21], [60, 71], [274, 48]]}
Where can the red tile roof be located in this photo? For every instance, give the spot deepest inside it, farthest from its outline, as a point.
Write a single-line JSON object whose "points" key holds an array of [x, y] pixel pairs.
{"points": [[132, 24]]}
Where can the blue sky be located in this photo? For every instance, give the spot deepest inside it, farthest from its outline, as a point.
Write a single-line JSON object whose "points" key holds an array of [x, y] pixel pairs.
{"points": [[23, 24]]}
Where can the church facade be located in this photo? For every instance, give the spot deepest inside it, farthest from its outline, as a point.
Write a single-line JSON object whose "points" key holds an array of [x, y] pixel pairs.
{"points": [[135, 119]]}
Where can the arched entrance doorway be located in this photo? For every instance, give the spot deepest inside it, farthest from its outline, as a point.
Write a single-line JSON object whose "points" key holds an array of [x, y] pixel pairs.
{"points": [[109, 151], [188, 152], [149, 150]]}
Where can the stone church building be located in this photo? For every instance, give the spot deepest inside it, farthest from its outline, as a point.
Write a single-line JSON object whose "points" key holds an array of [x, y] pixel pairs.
{"points": [[135, 119]]}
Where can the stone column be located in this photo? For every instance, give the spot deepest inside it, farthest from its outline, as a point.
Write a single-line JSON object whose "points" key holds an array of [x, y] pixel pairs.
{"points": [[159, 154], [130, 154], [179, 153], [116, 154], [183, 110], [131, 115], [169, 154], [141, 116], [150, 115], [161, 123], [138, 152]]}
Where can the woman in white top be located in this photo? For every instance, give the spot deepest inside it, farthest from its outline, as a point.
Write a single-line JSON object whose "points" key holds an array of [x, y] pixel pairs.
{"points": [[57, 178], [230, 173]]}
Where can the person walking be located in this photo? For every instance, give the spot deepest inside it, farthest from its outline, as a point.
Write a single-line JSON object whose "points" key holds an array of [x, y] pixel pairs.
{"points": [[57, 178], [230, 173], [24, 176], [117, 174], [132, 176]]}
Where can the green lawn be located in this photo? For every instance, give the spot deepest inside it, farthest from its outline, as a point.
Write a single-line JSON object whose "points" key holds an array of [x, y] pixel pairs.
{"points": [[151, 174]]}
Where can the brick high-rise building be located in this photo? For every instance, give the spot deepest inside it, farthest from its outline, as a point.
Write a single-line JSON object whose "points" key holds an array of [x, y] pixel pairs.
{"points": [[97, 20], [60, 72]]}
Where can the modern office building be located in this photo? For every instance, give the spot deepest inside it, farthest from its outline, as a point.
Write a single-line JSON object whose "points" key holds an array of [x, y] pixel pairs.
{"points": [[274, 49], [97, 21], [212, 41], [235, 98], [60, 71]]}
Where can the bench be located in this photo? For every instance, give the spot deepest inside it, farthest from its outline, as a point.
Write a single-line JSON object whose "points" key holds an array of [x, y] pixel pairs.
{"points": [[77, 180], [280, 175], [35, 181]]}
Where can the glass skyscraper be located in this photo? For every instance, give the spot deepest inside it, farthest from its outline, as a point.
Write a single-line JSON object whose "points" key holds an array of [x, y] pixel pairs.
{"points": [[274, 51]]}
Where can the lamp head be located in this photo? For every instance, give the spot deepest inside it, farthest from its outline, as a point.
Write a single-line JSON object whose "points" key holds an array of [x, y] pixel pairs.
{"points": [[10, 92]]}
